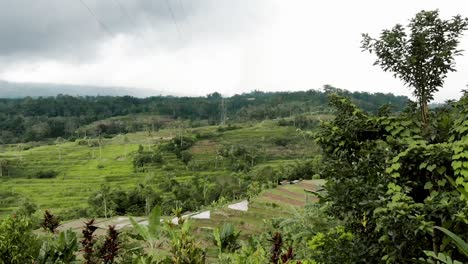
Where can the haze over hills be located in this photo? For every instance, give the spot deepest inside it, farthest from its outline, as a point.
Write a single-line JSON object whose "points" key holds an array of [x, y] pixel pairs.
{"points": [[19, 90]]}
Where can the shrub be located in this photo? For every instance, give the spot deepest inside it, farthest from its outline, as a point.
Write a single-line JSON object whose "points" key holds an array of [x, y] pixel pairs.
{"points": [[50, 222], [145, 158], [111, 247], [27, 208], [18, 244], [88, 242], [226, 238], [75, 213], [185, 156], [282, 141], [183, 247], [229, 127], [285, 122], [178, 144], [49, 174], [335, 246], [59, 249], [205, 135]]}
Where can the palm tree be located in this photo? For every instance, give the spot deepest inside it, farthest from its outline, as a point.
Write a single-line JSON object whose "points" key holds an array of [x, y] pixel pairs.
{"points": [[103, 195]]}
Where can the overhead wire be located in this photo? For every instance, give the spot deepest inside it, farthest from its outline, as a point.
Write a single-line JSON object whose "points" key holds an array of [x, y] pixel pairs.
{"points": [[174, 18], [132, 21], [103, 26], [185, 15]]}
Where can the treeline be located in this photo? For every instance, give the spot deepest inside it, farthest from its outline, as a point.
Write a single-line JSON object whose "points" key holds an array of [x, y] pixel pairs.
{"points": [[35, 119]]}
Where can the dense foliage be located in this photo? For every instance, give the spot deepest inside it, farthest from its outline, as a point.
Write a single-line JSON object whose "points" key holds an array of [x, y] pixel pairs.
{"points": [[387, 180]]}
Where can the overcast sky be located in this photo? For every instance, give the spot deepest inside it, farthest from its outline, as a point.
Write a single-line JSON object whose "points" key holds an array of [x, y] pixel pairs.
{"points": [[195, 47]]}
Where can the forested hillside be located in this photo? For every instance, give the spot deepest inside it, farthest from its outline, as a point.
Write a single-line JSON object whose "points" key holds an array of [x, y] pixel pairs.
{"points": [[34, 119]]}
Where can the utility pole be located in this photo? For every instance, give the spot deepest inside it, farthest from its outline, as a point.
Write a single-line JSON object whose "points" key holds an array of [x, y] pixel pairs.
{"points": [[223, 111]]}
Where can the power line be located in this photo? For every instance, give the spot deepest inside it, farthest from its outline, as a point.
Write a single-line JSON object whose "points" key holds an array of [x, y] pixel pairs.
{"points": [[132, 20], [124, 11], [182, 8], [173, 18], [103, 26]]}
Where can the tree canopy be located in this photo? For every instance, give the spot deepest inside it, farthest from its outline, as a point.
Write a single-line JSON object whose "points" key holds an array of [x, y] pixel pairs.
{"points": [[420, 54]]}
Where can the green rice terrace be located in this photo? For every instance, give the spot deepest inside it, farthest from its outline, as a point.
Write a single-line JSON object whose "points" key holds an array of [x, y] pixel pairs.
{"points": [[64, 175]]}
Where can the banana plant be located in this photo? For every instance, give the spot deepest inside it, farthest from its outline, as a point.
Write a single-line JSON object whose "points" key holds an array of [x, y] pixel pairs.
{"points": [[461, 245], [60, 249], [152, 232], [458, 241], [438, 258]]}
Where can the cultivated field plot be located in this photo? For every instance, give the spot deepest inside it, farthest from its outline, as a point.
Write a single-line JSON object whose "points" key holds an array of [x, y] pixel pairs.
{"points": [[273, 203], [80, 168]]}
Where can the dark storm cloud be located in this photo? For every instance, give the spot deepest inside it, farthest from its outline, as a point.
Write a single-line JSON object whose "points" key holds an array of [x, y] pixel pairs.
{"points": [[65, 29]]}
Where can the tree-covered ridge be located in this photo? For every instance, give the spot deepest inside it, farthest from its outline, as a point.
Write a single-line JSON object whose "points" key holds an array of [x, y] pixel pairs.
{"points": [[32, 119]]}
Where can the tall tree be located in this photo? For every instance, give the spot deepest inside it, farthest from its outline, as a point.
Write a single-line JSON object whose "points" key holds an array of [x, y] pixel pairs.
{"points": [[3, 165], [420, 54]]}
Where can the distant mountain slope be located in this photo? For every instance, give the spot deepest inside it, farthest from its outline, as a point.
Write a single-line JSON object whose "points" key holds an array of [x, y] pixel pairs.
{"points": [[36, 119], [20, 90]]}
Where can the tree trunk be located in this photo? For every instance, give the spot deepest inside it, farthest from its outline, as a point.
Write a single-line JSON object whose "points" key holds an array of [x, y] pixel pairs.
{"points": [[105, 207], [423, 104], [147, 205], [425, 114]]}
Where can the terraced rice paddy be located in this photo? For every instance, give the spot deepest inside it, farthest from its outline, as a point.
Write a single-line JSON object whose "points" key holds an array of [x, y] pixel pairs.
{"points": [[262, 207], [82, 169]]}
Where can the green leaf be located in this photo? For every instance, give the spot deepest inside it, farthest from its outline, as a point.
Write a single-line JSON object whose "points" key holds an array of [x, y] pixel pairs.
{"points": [[405, 133], [423, 165], [465, 173], [428, 185], [406, 123], [431, 167], [154, 220], [456, 165], [441, 170], [442, 182], [396, 166], [461, 245], [458, 149], [457, 184], [142, 230]]}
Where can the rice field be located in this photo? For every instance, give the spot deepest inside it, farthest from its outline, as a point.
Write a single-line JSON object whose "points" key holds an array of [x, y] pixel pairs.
{"points": [[82, 169]]}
